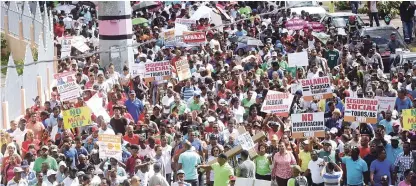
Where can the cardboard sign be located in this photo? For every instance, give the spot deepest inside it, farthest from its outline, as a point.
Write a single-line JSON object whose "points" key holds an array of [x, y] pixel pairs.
{"points": [[187, 22], [385, 103], [194, 37], [76, 117], [109, 146], [277, 102], [182, 69], [306, 123], [95, 103], [245, 141], [66, 44], [81, 46], [298, 59], [409, 119], [361, 110], [68, 89], [157, 71], [316, 88]]}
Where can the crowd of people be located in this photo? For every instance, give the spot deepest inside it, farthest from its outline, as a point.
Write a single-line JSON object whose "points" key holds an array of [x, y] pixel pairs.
{"points": [[180, 133]]}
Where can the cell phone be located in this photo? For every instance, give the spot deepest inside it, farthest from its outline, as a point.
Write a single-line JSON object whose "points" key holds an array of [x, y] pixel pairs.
{"points": [[109, 167]]}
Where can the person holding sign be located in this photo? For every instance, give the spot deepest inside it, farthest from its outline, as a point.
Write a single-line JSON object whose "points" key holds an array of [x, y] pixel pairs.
{"points": [[222, 170]]}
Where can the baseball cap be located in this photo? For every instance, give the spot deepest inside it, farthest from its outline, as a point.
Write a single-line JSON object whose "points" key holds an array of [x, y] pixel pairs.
{"points": [[50, 172], [45, 147], [274, 54], [94, 128], [132, 92], [17, 169], [222, 102], [180, 172], [25, 164], [333, 130]]}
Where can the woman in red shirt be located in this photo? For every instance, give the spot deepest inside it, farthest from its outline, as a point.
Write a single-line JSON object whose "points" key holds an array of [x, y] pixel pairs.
{"points": [[30, 139]]}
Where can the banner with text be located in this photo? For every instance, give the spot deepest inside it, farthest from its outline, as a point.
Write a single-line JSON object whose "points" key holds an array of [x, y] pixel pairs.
{"points": [[76, 117], [158, 70], [361, 110], [187, 22], [298, 59], [109, 146], [182, 69], [316, 88], [385, 103], [68, 89], [66, 45], [194, 38], [277, 102], [308, 125], [409, 119]]}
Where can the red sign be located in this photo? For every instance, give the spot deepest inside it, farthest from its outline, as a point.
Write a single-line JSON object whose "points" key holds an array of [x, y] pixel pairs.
{"points": [[194, 37]]}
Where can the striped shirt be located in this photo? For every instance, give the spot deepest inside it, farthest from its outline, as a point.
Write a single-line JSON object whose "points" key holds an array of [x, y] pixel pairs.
{"points": [[188, 92], [332, 179]]}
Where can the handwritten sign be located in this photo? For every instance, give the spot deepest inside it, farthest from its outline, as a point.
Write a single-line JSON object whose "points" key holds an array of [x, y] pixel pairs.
{"points": [[385, 103], [76, 117], [298, 59], [183, 70], [277, 102], [245, 141], [361, 110], [316, 87], [312, 124], [109, 146]]}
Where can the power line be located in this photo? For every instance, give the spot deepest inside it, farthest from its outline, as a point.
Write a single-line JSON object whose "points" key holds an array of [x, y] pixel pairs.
{"points": [[139, 44]]}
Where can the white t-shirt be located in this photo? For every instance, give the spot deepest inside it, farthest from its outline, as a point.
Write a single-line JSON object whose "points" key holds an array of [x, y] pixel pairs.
{"points": [[167, 101], [373, 6], [316, 169], [166, 153], [238, 113], [68, 181]]}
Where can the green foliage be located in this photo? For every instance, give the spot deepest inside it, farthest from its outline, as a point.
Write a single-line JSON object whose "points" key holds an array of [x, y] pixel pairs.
{"points": [[342, 5], [384, 8], [3, 41], [18, 63]]}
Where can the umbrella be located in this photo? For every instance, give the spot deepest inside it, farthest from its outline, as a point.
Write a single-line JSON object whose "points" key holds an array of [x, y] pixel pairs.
{"points": [[138, 21], [250, 41], [145, 4], [316, 26], [295, 24]]}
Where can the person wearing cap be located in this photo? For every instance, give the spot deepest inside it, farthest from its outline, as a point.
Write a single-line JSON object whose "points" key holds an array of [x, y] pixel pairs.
{"points": [[188, 160], [17, 179], [222, 170], [328, 152], [51, 178], [134, 106], [180, 176], [297, 179], [45, 158], [28, 174]]}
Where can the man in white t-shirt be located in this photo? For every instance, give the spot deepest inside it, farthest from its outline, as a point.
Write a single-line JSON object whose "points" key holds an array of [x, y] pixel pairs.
{"points": [[167, 100], [315, 167]]}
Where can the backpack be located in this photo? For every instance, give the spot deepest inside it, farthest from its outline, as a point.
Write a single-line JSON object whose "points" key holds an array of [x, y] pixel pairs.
{"points": [[301, 181]]}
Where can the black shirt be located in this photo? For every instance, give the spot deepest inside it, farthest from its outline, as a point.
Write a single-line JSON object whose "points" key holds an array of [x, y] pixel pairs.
{"points": [[119, 125]]}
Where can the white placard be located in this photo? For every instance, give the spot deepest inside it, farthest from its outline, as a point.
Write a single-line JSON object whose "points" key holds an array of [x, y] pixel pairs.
{"points": [[245, 141], [298, 59]]}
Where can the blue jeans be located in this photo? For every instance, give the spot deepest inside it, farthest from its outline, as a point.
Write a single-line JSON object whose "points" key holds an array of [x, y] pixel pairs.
{"points": [[407, 29]]}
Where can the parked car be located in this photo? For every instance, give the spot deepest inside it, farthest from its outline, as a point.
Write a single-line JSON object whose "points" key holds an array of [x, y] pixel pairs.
{"points": [[312, 7], [340, 20], [381, 36], [400, 60]]}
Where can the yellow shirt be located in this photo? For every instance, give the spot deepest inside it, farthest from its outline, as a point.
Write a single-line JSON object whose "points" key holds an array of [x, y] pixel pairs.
{"points": [[305, 157], [222, 174]]}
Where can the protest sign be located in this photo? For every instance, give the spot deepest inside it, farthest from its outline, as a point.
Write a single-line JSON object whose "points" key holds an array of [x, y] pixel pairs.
{"points": [[298, 59], [157, 71], [361, 110], [109, 146], [194, 38], [76, 117], [187, 22], [245, 141], [95, 103], [137, 69], [295, 87], [316, 88], [81, 46], [308, 124], [277, 102], [68, 89], [66, 44], [182, 69], [409, 119], [385, 103]]}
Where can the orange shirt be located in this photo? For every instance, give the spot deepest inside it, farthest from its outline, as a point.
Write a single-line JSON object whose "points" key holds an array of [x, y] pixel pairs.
{"points": [[364, 151], [37, 129], [132, 140]]}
